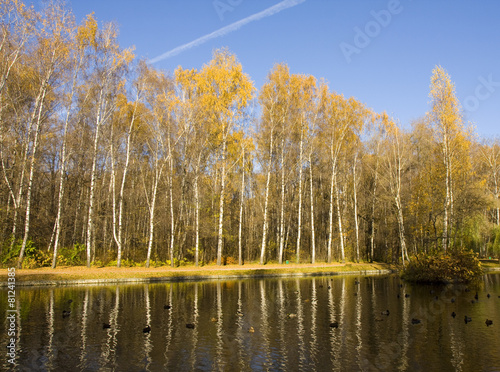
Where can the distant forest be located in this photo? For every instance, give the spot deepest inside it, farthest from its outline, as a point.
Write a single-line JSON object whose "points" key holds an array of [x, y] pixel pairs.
{"points": [[107, 160]]}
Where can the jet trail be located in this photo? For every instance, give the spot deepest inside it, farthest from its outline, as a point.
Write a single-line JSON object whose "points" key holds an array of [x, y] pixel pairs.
{"points": [[230, 28]]}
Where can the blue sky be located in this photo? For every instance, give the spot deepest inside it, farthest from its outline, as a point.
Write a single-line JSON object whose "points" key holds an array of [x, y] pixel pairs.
{"points": [[381, 52]]}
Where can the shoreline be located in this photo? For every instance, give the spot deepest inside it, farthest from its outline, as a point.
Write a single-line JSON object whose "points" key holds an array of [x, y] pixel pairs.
{"points": [[76, 276]]}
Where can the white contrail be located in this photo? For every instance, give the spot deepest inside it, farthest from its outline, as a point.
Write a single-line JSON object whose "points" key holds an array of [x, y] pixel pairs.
{"points": [[230, 28]]}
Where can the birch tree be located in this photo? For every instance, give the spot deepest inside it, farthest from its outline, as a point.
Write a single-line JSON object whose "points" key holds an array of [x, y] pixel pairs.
{"points": [[396, 163], [274, 99], [108, 63], [225, 91], [50, 55], [303, 92], [446, 117], [341, 122], [78, 47], [17, 24], [490, 156]]}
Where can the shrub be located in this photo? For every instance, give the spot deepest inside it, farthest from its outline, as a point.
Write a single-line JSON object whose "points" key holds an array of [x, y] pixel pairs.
{"points": [[33, 257], [73, 256], [459, 266]]}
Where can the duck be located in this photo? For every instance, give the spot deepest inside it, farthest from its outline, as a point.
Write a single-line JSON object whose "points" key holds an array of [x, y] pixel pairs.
{"points": [[292, 315], [239, 313], [488, 295], [190, 325], [453, 314], [356, 282], [385, 312], [334, 324], [467, 319], [251, 330], [146, 329], [167, 307], [65, 313], [106, 325], [476, 296], [213, 320], [489, 322], [407, 295], [415, 321]]}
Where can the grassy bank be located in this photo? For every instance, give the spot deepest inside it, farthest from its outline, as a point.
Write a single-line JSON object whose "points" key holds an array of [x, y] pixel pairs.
{"points": [[74, 273]]}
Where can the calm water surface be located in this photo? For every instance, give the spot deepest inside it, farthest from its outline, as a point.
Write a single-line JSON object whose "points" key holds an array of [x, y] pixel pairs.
{"points": [[258, 325]]}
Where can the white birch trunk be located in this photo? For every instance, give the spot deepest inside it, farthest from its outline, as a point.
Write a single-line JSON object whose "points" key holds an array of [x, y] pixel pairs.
{"points": [[313, 231], [197, 213], [221, 204], [282, 213], [372, 220], [447, 198], [341, 231], [171, 197], [118, 236], [330, 217], [356, 222], [240, 236], [299, 227], [152, 206], [37, 128], [266, 201], [90, 221]]}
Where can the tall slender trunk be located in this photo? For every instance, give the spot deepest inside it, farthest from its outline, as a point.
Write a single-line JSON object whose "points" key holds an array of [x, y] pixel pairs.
{"points": [[497, 195], [266, 202], [452, 210], [57, 224], [90, 220], [282, 213], [197, 212], [356, 222], [330, 217], [37, 129], [221, 203], [402, 239], [171, 197], [152, 205], [240, 224], [118, 235], [341, 231], [313, 232], [17, 201], [447, 198], [372, 218], [299, 227]]}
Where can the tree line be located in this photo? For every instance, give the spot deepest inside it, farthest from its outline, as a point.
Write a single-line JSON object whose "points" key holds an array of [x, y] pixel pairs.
{"points": [[107, 159]]}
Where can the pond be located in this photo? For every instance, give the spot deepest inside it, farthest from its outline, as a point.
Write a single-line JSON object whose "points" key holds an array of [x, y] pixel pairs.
{"points": [[339, 323]]}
